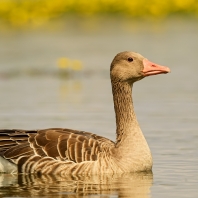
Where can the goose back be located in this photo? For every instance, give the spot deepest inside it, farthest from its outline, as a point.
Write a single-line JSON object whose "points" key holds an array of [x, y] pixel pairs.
{"points": [[57, 143]]}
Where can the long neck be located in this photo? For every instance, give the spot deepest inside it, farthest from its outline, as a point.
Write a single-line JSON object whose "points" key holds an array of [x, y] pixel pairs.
{"points": [[128, 129], [131, 151]]}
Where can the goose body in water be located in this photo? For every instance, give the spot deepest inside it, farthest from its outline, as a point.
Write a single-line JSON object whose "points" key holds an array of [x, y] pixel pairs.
{"points": [[65, 151]]}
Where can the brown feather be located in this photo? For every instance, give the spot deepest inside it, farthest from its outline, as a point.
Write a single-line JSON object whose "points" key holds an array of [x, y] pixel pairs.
{"points": [[6, 131], [21, 141], [53, 134], [21, 163], [78, 152], [4, 137], [31, 138], [31, 148], [93, 157], [15, 138], [51, 149], [7, 142], [93, 148], [62, 145], [87, 155], [42, 163], [32, 164], [72, 152], [81, 138], [40, 152], [71, 139], [41, 139], [33, 144], [84, 147], [18, 151], [91, 141]]}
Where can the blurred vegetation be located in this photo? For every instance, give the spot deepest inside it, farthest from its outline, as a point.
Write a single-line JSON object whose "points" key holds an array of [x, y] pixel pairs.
{"points": [[67, 66], [19, 13], [66, 63]]}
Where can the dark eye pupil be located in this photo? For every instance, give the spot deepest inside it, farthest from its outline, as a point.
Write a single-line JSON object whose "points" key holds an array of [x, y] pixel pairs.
{"points": [[130, 59]]}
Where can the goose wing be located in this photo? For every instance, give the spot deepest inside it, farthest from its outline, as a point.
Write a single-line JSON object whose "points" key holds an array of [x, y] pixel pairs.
{"points": [[60, 144]]}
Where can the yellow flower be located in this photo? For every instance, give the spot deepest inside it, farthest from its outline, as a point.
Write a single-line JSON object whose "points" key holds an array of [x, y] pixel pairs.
{"points": [[63, 62]]}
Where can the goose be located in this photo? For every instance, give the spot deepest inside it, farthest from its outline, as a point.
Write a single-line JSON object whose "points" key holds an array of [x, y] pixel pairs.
{"points": [[62, 151]]}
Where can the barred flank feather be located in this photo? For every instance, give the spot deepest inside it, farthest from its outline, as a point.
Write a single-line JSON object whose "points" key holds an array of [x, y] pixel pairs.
{"points": [[41, 149]]}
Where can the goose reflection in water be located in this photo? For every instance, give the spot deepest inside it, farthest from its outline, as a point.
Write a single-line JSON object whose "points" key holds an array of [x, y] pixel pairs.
{"points": [[107, 185]]}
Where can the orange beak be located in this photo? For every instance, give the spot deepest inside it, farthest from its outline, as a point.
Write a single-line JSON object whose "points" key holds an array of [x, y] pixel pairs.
{"points": [[153, 69]]}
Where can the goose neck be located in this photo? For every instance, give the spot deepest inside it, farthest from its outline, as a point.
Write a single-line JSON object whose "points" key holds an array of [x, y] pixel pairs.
{"points": [[126, 121]]}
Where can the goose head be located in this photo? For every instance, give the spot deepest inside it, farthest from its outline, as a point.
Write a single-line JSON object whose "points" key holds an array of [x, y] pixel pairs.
{"points": [[131, 67]]}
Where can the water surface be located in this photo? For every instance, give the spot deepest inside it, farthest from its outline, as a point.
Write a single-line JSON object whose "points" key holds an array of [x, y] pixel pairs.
{"points": [[34, 95]]}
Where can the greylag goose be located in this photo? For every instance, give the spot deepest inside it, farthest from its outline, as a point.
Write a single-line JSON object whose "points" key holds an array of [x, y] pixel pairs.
{"points": [[63, 151]]}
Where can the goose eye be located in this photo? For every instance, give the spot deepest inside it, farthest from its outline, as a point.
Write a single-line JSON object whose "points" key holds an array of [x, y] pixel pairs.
{"points": [[130, 59]]}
